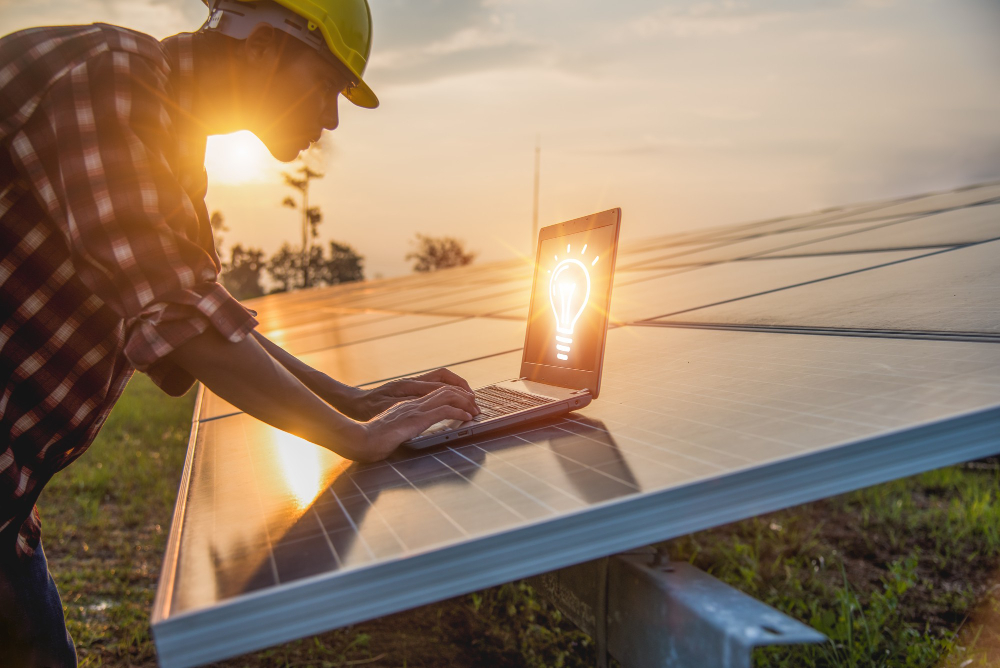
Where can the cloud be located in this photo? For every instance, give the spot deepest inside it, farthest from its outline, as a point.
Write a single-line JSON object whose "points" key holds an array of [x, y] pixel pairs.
{"points": [[651, 145], [409, 24], [445, 38], [433, 64], [705, 19]]}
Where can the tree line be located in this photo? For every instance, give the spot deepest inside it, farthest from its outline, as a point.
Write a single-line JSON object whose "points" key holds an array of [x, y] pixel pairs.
{"points": [[311, 264]]}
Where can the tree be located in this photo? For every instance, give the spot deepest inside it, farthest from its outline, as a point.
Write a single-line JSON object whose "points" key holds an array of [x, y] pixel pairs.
{"points": [[285, 268], [241, 275], [311, 216], [435, 253], [343, 266]]}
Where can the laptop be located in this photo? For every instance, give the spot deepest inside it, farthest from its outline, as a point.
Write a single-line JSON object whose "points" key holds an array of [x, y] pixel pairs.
{"points": [[564, 343]]}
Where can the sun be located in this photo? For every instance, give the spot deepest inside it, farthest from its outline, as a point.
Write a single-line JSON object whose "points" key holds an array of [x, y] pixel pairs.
{"points": [[239, 158]]}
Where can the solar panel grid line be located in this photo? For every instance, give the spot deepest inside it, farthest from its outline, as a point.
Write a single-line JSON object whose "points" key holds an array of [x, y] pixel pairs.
{"points": [[740, 234], [692, 288], [940, 202], [831, 217], [458, 453], [562, 492], [925, 335], [963, 226], [945, 291], [411, 330], [317, 603], [517, 461], [452, 306], [777, 238], [303, 301], [729, 231], [762, 410], [270, 542], [857, 417], [722, 243], [354, 527], [414, 304], [472, 483], [651, 461], [854, 251], [930, 212], [810, 282], [425, 370], [855, 231], [563, 456], [374, 508]]}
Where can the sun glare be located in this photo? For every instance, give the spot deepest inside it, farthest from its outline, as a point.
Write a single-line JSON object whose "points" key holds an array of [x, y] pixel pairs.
{"points": [[239, 158]]}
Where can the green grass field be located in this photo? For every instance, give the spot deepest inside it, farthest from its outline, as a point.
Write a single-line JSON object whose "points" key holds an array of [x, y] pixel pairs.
{"points": [[895, 575]]}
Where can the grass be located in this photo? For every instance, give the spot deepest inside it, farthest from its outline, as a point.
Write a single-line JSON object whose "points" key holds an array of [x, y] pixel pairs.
{"points": [[892, 573]]}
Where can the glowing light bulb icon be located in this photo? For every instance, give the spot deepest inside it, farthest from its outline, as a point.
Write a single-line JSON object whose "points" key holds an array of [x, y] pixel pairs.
{"points": [[569, 292]]}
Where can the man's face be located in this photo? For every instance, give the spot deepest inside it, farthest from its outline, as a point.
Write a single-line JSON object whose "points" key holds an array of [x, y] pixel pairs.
{"points": [[298, 101]]}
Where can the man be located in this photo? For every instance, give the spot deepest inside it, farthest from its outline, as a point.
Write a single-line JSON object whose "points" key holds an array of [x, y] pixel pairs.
{"points": [[107, 261]]}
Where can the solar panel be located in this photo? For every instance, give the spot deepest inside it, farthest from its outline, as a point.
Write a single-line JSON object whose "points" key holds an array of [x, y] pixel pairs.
{"points": [[267, 518], [734, 387], [934, 203], [342, 330], [961, 226], [946, 291], [758, 246], [682, 289]]}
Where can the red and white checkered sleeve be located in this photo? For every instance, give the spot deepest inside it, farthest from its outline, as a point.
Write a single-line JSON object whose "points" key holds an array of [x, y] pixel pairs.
{"points": [[95, 154]]}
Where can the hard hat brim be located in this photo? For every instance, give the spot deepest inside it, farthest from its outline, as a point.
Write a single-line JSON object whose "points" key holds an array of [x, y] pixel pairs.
{"points": [[361, 95]]}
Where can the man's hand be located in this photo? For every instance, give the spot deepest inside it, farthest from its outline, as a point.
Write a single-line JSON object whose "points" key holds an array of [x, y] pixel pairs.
{"points": [[406, 419], [373, 402]]}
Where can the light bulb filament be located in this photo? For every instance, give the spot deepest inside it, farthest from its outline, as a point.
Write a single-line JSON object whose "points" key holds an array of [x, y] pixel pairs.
{"points": [[569, 292]]}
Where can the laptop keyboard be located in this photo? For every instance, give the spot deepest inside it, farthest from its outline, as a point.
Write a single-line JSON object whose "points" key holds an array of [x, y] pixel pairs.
{"points": [[496, 401]]}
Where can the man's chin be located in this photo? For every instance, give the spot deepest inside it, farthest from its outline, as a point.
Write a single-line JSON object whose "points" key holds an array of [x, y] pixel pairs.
{"points": [[285, 151]]}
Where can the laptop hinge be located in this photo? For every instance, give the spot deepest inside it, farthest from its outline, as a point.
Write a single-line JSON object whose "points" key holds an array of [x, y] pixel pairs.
{"points": [[583, 391]]}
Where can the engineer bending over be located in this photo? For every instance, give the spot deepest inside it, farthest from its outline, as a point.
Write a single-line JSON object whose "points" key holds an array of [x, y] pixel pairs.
{"points": [[107, 261]]}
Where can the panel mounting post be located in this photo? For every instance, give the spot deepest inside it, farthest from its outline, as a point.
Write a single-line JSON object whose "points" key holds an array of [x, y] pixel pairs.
{"points": [[664, 613]]}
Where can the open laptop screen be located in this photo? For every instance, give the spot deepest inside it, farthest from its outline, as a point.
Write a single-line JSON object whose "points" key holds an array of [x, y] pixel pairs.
{"points": [[571, 295]]}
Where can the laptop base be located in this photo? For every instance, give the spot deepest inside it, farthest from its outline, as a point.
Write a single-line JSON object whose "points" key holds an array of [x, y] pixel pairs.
{"points": [[561, 400]]}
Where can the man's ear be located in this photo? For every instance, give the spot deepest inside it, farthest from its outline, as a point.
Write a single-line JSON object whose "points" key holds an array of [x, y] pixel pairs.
{"points": [[261, 46]]}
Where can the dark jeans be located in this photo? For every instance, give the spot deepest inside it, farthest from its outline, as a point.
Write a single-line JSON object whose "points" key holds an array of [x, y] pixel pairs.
{"points": [[32, 628]]}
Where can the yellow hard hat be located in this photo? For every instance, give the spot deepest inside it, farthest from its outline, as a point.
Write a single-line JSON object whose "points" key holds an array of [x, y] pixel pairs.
{"points": [[338, 29]]}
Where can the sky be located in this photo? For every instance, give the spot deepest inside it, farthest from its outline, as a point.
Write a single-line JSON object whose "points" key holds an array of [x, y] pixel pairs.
{"points": [[685, 114]]}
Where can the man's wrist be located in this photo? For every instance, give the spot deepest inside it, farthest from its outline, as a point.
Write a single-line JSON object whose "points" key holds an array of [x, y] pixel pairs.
{"points": [[342, 397]]}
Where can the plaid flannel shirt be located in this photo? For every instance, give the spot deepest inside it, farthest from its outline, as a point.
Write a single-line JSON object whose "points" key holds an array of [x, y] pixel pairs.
{"points": [[107, 261]]}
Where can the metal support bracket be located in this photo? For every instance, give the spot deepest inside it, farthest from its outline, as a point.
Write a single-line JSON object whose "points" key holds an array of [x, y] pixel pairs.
{"points": [[661, 613]]}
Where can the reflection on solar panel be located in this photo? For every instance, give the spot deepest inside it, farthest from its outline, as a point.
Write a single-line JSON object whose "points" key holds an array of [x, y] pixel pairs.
{"points": [[755, 367]]}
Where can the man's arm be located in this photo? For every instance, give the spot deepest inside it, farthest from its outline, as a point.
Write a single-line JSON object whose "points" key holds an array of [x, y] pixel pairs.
{"points": [[337, 394], [245, 375], [356, 403]]}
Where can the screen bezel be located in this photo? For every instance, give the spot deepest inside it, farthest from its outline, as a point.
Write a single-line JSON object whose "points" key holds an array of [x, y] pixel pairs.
{"points": [[575, 379]]}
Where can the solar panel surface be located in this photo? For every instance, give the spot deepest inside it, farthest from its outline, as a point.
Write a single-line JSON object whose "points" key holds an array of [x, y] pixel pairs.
{"points": [[274, 538]]}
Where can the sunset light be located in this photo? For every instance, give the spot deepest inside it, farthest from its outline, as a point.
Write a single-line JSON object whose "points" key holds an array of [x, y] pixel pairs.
{"points": [[239, 158]]}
